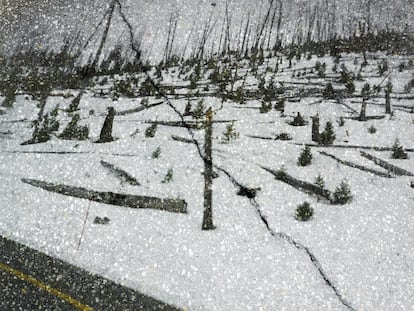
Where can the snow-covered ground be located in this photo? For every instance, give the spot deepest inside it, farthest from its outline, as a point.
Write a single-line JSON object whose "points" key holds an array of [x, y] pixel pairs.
{"points": [[365, 247]]}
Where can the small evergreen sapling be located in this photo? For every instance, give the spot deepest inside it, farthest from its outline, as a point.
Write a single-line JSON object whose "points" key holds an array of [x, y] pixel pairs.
{"points": [[305, 157], [168, 177], [156, 153], [398, 151], [341, 121], [230, 134], [199, 111], [265, 107], [298, 120], [280, 104], [366, 91], [342, 193], [151, 130], [319, 181], [329, 91], [304, 212], [383, 67], [372, 129], [350, 86], [327, 137]]}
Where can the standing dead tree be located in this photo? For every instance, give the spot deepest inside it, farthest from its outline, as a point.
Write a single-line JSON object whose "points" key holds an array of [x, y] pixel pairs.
{"points": [[227, 38], [172, 30], [110, 14], [208, 174], [262, 26], [208, 28], [246, 33]]}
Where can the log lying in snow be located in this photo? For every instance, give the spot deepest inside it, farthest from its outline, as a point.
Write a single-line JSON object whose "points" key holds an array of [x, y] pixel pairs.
{"points": [[376, 148], [138, 109], [191, 124], [120, 199], [281, 136], [357, 166], [301, 185], [366, 118], [388, 166], [183, 139], [119, 173]]}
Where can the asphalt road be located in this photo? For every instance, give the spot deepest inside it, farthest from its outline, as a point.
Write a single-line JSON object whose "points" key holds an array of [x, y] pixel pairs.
{"points": [[30, 280]]}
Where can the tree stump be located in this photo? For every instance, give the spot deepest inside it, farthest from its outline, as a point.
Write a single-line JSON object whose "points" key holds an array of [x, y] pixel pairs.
{"points": [[106, 132], [315, 128], [363, 113]]}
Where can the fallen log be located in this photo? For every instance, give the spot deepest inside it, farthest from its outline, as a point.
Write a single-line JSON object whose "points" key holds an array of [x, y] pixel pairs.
{"points": [[376, 148], [366, 118], [388, 166], [357, 166], [301, 185], [183, 139], [119, 173], [138, 109], [186, 123], [119, 199], [281, 136]]}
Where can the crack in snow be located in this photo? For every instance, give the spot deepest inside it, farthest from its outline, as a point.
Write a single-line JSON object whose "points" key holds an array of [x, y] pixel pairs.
{"points": [[302, 247]]}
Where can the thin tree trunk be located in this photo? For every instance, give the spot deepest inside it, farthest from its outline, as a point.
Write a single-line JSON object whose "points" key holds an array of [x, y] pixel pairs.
{"points": [[105, 35], [208, 174]]}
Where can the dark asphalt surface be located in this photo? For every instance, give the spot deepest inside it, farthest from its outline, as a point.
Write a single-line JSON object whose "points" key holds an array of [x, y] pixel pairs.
{"points": [[88, 289]]}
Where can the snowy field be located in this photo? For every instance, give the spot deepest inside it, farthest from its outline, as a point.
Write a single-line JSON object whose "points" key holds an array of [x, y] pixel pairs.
{"points": [[364, 248]]}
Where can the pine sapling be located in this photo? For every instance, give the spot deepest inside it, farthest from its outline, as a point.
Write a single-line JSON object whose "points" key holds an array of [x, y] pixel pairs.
{"points": [[168, 177], [327, 137], [265, 107], [298, 120], [398, 151], [156, 153], [304, 212], [372, 129], [341, 121], [342, 193], [305, 157], [199, 111], [319, 181], [151, 130], [230, 134], [329, 91]]}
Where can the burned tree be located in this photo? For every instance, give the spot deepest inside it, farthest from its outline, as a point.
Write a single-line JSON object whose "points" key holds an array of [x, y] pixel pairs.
{"points": [[388, 90], [315, 128], [106, 132]]}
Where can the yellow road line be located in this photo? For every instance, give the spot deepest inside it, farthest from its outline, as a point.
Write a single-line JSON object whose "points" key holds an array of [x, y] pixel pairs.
{"points": [[45, 287]]}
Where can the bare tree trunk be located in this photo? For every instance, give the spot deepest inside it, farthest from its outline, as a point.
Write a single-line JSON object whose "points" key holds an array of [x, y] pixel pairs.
{"points": [[208, 174], [279, 24], [105, 34], [228, 37], [363, 113], [387, 102], [315, 128], [259, 34], [246, 31], [166, 49], [271, 28], [188, 40]]}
